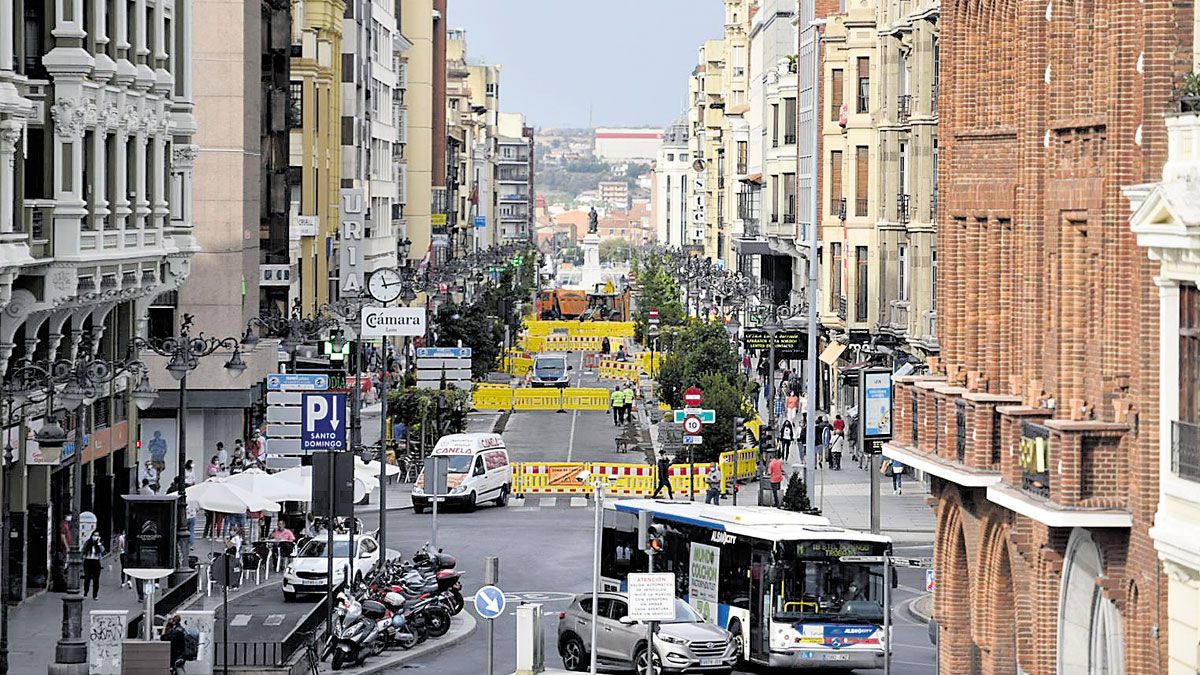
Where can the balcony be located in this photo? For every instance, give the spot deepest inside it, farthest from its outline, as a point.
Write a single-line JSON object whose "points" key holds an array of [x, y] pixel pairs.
{"points": [[897, 317], [904, 107], [934, 99], [739, 71], [789, 139], [903, 208], [860, 206], [789, 219], [514, 197], [933, 206], [1185, 450]]}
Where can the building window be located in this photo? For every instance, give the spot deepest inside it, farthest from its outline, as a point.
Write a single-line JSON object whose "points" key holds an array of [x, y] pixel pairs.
{"points": [[295, 111], [789, 198], [864, 85], [835, 275], [933, 279], [903, 272], [862, 173], [836, 190], [789, 121], [837, 94], [860, 283], [774, 125], [742, 150], [903, 168]]}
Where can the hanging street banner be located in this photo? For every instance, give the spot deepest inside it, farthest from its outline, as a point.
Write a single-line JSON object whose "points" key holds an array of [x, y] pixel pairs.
{"points": [[877, 404]]}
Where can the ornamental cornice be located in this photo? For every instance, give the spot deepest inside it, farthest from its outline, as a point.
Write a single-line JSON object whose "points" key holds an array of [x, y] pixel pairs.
{"points": [[184, 156]]}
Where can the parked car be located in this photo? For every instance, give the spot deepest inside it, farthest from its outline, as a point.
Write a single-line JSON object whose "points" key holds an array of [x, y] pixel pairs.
{"points": [[309, 570], [686, 644]]}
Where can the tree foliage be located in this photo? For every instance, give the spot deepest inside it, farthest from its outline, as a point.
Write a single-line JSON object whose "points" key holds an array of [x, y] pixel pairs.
{"points": [[656, 290], [615, 249], [472, 326]]}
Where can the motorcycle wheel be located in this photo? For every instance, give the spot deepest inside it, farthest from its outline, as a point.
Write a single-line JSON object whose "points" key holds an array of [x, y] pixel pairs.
{"points": [[456, 603], [407, 641], [439, 622], [338, 661], [378, 647], [419, 629]]}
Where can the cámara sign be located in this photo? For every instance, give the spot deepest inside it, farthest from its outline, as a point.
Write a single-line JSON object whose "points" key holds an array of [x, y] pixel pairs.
{"points": [[392, 321]]}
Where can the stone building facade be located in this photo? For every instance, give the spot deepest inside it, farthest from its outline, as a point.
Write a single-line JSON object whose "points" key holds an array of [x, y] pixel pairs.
{"points": [[1039, 424]]}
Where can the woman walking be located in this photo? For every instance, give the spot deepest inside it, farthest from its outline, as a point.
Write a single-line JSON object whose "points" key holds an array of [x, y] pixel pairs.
{"points": [[787, 433], [897, 471], [93, 551]]}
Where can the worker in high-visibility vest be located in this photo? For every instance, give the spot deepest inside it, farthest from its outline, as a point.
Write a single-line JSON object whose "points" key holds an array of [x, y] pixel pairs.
{"points": [[617, 400]]}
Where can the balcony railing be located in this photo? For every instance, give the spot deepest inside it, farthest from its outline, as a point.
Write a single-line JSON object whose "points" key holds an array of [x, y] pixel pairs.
{"points": [[750, 228], [903, 208], [904, 107], [960, 431], [789, 139], [934, 100], [933, 205], [738, 71], [898, 316], [1185, 450], [1035, 459], [860, 206], [841, 307]]}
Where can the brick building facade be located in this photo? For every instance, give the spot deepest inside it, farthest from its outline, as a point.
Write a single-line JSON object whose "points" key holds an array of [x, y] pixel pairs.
{"points": [[1038, 427]]}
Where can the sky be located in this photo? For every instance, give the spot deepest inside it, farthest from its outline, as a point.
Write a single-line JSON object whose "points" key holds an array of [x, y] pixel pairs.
{"points": [[628, 61]]}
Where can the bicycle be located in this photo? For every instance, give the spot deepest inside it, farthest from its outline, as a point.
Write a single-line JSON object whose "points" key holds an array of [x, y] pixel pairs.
{"points": [[312, 655]]}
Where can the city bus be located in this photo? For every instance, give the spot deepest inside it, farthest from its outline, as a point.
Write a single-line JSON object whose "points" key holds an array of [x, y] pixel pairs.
{"points": [[773, 578]]}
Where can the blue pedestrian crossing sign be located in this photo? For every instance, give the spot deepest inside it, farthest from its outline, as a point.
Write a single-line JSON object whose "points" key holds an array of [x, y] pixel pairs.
{"points": [[323, 422], [489, 602]]}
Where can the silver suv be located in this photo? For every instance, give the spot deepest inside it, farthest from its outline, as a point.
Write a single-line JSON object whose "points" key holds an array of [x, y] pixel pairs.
{"points": [[686, 644]]}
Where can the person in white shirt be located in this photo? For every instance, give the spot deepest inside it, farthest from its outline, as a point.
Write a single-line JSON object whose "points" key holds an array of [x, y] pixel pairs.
{"points": [[189, 473], [222, 455]]}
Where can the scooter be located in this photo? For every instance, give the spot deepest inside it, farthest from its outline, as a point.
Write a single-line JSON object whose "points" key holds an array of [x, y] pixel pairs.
{"points": [[400, 633], [356, 635]]}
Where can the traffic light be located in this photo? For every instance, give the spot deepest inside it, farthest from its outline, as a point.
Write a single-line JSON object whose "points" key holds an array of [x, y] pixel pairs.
{"points": [[656, 538]]}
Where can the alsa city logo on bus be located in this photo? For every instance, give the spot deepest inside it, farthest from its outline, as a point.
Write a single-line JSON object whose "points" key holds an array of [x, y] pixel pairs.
{"points": [[719, 537]]}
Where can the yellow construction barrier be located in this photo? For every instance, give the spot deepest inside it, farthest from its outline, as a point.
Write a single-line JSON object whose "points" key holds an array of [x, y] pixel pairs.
{"points": [[518, 365], [531, 344], [610, 329], [537, 399], [619, 370], [562, 343], [740, 464], [649, 361], [585, 398], [549, 478], [492, 397]]}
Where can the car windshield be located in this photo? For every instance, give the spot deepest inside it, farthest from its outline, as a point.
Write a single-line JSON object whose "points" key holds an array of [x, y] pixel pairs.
{"points": [[813, 584], [458, 463], [315, 548], [685, 614], [550, 368]]}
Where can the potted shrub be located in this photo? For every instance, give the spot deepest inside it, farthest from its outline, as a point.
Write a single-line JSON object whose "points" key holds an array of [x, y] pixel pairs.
{"points": [[1189, 97]]}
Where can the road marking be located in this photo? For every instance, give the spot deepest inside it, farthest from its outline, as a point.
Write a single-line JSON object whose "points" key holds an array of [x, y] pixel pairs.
{"points": [[274, 620], [547, 501], [571, 438], [241, 620], [579, 501]]}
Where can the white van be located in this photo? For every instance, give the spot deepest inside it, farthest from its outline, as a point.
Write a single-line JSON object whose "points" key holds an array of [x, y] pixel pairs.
{"points": [[479, 472]]}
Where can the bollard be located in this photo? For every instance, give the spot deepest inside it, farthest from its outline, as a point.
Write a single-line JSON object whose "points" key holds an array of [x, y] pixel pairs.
{"points": [[531, 658]]}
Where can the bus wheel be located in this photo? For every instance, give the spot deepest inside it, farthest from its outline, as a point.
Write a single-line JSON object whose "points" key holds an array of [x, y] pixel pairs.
{"points": [[739, 642]]}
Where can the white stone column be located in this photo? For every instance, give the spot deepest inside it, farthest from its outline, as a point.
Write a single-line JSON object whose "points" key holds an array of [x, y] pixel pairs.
{"points": [[99, 175], [10, 133], [1168, 368], [120, 200], [141, 204], [158, 199]]}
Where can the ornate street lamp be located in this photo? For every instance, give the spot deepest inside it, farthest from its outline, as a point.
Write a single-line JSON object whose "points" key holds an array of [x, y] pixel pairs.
{"points": [[184, 352], [76, 381]]}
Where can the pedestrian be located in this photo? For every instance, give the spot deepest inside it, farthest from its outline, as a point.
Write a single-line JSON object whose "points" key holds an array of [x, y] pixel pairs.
{"points": [[146, 488], [189, 473], [222, 455], [235, 540], [173, 632], [775, 471], [664, 475], [835, 450], [746, 364], [93, 551], [713, 480], [214, 467], [150, 474], [605, 346], [616, 399], [787, 433], [897, 471], [621, 353], [839, 424], [630, 395], [792, 404]]}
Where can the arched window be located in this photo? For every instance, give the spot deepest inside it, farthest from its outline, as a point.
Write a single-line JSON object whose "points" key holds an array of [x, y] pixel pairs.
{"points": [[1090, 632]]}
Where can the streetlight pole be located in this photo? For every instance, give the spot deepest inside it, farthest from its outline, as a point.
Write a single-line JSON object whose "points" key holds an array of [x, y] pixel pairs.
{"points": [[184, 352], [810, 364]]}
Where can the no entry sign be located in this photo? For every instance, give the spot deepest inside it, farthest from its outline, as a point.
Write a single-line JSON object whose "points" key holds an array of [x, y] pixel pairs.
{"points": [[693, 397]]}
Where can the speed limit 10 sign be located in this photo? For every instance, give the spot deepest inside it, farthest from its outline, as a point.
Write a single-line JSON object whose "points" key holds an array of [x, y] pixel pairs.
{"points": [[692, 425]]}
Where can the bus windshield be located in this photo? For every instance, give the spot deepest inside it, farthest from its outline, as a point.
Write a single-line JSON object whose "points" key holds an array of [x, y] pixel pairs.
{"points": [[814, 585]]}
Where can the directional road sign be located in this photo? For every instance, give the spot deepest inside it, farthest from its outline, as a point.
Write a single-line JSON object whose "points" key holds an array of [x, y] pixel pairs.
{"points": [[692, 425], [707, 416], [693, 440], [489, 602], [444, 353], [893, 560], [291, 382], [323, 422]]}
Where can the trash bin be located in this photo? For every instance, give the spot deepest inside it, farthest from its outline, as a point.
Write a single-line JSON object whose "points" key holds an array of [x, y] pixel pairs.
{"points": [[764, 491]]}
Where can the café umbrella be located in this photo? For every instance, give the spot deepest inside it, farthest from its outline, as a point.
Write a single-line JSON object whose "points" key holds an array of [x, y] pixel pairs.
{"points": [[269, 486], [219, 495], [300, 478]]}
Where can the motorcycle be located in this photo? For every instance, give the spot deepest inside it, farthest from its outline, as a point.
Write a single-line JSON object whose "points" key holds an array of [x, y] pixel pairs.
{"points": [[400, 633], [355, 634]]}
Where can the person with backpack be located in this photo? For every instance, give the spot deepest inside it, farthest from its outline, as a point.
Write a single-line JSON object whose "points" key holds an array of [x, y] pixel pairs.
{"points": [[185, 642], [93, 551]]}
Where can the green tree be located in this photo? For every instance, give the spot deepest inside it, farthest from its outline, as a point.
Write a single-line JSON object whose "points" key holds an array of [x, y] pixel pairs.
{"points": [[615, 249], [728, 402], [471, 326], [656, 290], [796, 498], [692, 352]]}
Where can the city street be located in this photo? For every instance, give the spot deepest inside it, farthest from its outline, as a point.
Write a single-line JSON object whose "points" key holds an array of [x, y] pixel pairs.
{"points": [[545, 553]]}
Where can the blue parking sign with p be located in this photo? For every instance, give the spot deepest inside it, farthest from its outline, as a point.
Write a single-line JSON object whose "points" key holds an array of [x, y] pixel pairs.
{"points": [[323, 422]]}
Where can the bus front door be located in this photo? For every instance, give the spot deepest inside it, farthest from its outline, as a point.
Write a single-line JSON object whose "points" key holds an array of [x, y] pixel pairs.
{"points": [[760, 608]]}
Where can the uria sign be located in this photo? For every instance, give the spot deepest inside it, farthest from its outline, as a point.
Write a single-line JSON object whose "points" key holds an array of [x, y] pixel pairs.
{"points": [[392, 321]]}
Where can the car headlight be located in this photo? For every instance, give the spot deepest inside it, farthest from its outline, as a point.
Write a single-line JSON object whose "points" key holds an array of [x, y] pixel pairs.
{"points": [[458, 490], [671, 639], [290, 570]]}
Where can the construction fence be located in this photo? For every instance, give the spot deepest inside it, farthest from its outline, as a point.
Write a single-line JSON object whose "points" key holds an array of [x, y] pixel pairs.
{"points": [[504, 397], [630, 480], [610, 329]]}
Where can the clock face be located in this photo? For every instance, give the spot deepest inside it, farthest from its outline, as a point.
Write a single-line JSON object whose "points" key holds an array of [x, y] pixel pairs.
{"points": [[385, 285]]}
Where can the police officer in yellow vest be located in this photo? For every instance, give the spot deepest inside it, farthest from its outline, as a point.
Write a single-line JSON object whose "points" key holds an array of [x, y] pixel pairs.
{"points": [[617, 400]]}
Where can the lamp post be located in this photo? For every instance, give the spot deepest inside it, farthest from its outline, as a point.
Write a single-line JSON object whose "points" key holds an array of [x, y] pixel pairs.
{"points": [[184, 352], [10, 396], [75, 383], [771, 326]]}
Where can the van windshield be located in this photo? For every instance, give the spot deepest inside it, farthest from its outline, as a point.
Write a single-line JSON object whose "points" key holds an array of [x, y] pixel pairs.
{"points": [[458, 463], [550, 369]]}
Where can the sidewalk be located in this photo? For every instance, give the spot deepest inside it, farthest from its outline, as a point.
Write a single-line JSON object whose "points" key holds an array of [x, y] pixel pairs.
{"points": [[36, 624]]}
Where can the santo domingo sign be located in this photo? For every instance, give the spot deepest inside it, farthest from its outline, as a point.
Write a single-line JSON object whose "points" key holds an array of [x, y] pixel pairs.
{"points": [[392, 321]]}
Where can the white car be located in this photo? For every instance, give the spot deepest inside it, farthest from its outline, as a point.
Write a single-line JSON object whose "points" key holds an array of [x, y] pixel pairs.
{"points": [[308, 572]]}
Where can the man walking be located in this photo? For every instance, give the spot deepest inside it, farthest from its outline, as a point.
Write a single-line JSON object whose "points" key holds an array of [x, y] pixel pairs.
{"points": [[615, 400], [630, 395], [664, 475], [713, 481], [775, 471]]}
